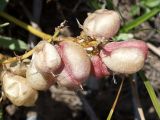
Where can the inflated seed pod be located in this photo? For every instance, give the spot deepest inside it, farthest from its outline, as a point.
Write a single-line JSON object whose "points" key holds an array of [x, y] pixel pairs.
{"points": [[36, 79], [76, 65], [99, 69], [124, 57], [17, 90], [19, 68], [102, 24], [46, 58]]}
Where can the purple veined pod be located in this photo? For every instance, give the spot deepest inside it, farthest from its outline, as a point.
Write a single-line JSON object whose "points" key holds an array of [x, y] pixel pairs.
{"points": [[124, 57], [76, 65]]}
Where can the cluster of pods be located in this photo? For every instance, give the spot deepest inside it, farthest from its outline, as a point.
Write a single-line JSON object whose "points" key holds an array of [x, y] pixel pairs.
{"points": [[68, 64]]}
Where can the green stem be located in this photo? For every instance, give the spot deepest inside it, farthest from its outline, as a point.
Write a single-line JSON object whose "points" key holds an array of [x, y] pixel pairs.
{"points": [[115, 101], [25, 26], [151, 93]]}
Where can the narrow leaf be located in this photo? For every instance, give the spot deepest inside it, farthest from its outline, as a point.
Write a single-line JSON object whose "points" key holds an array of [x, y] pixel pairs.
{"points": [[115, 102], [130, 25], [151, 93]]}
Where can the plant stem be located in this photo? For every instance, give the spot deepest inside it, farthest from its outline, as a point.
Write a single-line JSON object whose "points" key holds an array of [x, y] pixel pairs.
{"points": [[151, 92], [26, 55], [25, 26], [115, 101]]}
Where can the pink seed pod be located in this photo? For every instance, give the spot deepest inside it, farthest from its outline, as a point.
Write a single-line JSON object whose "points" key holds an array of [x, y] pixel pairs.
{"points": [[18, 90], [76, 65], [108, 48], [124, 57], [102, 24], [38, 80], [46, 58], [99, 69]]}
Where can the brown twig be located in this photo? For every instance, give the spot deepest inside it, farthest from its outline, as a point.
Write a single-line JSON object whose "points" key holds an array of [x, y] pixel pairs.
{"points": [[154, 49]]}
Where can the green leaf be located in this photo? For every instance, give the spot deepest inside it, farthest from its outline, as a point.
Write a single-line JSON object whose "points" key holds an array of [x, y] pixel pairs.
{"points": [[12, 43], [3, 4], [97, 4], [135, 10], [123, 36], [109, 5], [151, 93], [132, 24], [151, 3], [93, 4]]}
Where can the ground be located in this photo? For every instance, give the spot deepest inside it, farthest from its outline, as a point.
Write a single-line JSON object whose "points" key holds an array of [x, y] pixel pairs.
{"points": [[61, 104]]}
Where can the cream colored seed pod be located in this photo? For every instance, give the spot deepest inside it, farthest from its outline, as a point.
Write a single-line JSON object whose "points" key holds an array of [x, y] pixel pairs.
{"points": [[18, 90], [125, 60], [46, 58], [19, 68], [35, 79], [102, 24]]}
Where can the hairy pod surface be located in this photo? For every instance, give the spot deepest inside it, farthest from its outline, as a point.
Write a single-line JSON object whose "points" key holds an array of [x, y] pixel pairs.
{"points": [[46, 58], [99, 69], [76, 65], [17, 90], [102, 24], [124, 57]]}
